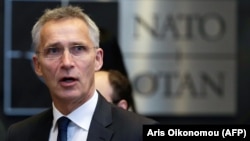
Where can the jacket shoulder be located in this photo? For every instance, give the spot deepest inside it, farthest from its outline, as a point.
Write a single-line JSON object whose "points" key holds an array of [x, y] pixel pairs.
{"points": [[30, 127], [131, 117]]}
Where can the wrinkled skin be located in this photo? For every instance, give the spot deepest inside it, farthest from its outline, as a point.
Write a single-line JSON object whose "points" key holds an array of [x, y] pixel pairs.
{"points": [[70, 79]]}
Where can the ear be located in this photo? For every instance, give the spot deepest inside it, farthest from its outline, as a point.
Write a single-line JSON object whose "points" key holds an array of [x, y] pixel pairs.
{"points": [[37, 66], [123, 104], [99, 59]]}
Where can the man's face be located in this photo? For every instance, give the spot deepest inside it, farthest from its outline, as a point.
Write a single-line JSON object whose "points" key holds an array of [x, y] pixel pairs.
{"points": [[69, 77]]}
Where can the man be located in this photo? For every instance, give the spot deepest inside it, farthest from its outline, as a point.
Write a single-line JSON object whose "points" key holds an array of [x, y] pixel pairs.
{"points": [[116, 88], [67, 55]]}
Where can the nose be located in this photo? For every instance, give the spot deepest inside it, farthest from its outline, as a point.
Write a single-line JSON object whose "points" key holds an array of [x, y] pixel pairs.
{"points": [[67, 59]]}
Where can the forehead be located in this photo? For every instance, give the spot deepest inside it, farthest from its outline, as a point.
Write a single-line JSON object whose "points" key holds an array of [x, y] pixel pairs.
{"points": [[101, 75], [65, 25], [64, 31]]}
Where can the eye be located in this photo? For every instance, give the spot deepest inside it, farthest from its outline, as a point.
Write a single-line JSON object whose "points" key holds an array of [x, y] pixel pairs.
{"points": [[78, 50], [52, 50]]}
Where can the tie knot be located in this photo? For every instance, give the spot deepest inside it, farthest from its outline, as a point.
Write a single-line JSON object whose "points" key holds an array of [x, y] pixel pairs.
{"points": [[63, 123]]}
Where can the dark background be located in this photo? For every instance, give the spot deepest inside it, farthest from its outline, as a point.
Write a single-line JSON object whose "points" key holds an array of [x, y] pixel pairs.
{"points": [[106, 17]]}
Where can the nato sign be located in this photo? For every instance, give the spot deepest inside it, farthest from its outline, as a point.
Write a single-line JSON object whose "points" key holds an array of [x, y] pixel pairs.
{"points": [[181, 55], [24, 92]]}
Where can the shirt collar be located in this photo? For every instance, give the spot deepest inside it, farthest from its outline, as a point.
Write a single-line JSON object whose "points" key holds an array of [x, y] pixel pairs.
{"points": [[81, 116]]}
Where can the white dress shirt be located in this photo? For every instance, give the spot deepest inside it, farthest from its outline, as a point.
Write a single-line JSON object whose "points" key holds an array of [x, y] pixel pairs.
{"points": [[80, 121]]}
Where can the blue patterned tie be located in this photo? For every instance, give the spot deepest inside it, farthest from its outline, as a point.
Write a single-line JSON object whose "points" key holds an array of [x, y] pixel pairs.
{"points": [[63, 123]]}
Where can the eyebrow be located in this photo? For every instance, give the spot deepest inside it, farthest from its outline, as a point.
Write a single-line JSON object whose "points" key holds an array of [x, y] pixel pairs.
{"points": [[53, 44], [58, 44]]}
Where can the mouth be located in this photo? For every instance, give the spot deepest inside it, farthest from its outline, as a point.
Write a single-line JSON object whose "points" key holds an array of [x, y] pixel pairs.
{"points": [[67, 81]]}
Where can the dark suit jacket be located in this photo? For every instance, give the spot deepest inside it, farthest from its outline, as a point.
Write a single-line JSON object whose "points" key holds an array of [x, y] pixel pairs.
{"points": [[109, 123]]}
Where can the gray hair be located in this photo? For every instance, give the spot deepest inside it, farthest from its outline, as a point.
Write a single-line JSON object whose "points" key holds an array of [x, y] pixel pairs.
{"points": [[61, 13]]}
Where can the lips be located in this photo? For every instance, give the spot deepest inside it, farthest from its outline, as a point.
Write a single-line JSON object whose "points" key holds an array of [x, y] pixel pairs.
{"points": [[67, 81]]}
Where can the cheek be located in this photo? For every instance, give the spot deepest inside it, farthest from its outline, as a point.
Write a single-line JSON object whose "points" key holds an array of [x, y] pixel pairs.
{"points": [[49, 70], [86, 70], [87, 65]]}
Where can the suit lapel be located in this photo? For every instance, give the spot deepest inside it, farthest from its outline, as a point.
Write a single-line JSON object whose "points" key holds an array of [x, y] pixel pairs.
{"points": [[98, 130], [102, 118]]}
